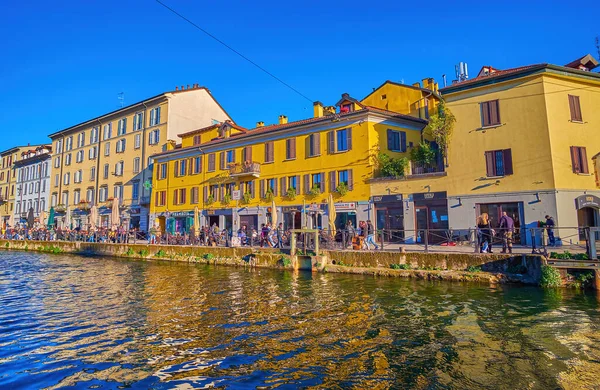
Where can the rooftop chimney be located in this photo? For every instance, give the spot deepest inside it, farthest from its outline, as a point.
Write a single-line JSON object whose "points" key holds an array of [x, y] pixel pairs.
{"points": [[182, 88], [188, 86], [176, 88], [318, 109], [330, 110], [283, 119], [260, 124]]}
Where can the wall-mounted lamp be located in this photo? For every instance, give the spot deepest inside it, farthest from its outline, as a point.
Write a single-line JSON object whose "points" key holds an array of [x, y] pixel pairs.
{"points": [[459, 202], [537, 197]]}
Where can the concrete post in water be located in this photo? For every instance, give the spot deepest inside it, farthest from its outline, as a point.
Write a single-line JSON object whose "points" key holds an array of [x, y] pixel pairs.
{"points": [[426, 239], [597, 279]]}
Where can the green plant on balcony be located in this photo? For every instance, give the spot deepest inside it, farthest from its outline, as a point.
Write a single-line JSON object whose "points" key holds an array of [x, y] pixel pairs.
{"points": [[210, 200], [60, 208], [342, 189], [423, 154], [246, 197], [269, 194], [441, 127], [315, 190], [226, 198], [391, 167], [291, 193]]}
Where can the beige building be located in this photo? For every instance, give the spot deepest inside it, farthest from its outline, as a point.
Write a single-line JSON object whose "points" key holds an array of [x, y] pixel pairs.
{"points": [[108, 156]]}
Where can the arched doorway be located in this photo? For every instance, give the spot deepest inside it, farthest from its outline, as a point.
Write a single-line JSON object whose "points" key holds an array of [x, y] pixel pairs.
{"points": [[587, 213]]}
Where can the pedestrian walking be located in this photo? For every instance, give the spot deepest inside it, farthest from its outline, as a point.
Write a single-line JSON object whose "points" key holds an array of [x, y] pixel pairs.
{"points": [[550, 230], [371, 236], [350, 234], [507, 229], [485, 233]]}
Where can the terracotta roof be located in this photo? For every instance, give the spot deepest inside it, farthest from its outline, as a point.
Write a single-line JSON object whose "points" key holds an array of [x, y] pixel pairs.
{"points": [[496, 74], [275, 127], [215, 126]]}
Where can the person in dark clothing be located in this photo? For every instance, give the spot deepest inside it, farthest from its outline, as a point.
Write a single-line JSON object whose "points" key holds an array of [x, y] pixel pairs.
{"points": [[485, 231], [350, 233], [507, 228], [279, 243], [550, 230]]}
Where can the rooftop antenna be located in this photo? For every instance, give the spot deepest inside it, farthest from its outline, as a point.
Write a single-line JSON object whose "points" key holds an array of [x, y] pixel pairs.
{"points": [[598, 45], [461, 71], [121, 99]]}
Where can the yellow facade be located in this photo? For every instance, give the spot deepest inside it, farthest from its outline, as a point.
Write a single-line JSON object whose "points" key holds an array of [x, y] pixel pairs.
{"points": [[8, 180], [123, 140]]}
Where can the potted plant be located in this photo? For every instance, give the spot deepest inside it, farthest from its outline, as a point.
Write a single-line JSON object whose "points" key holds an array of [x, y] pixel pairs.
{"points": [[84, 205], [342, 189], [60, 208], [269, 194], [315, 190], [424, 156], [246, 197], [210, 200], [291, 193], [226, 198]]}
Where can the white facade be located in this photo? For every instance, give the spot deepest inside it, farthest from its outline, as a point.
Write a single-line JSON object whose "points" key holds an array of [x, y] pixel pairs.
{"points": [[33, 183]]}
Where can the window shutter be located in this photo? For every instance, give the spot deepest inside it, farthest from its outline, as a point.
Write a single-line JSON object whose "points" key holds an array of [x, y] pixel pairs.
{"points": [[156, 199], [275, 187], [298, 184], [350, 180], [306, 184], [252, 189], [282, 189], [177, 168], [390, 138], [403, 141], [485, 114], [211, 162], [248, 153], [584, 162], [494, 112], [183, 195], [222, 160], [317, 143], [233, 155], [262, 188], [271, 151], [332, 185], [205, 193], [575, 159], [322, 184], [331, 142], [489, 164], [508, 164], [575, 108], [349, 140], [174, 197], [292, 148]]}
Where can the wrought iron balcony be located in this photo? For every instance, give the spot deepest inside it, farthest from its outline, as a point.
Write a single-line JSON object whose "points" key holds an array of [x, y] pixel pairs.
{"points": [[417, 168], [247, 168]]}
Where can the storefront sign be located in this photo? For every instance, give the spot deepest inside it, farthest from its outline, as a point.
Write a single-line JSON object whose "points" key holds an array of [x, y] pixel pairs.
{"points": [[290, 209], [429, 196], [236, 194], [386, 198], [348, 206], [588, 201], [182, 214]]}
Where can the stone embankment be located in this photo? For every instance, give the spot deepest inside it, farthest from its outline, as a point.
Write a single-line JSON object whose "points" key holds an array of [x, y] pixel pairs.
{"points": [[488, 268]]}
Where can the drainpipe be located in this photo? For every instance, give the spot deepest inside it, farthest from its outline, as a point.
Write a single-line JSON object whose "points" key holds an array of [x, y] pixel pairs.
{"points": [[203, 177], [143, 164]]}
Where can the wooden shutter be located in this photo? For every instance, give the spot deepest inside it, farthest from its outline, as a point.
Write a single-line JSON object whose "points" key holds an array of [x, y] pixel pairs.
{"points": [[248, 153], [322, 184], [271, 151], [403, 141], [262, 188], [222, 160], [317, 144], [291, 148], [350, 180], [489, 164], [575, 108], [211, 162], [584, 162], [508, 163], [485, 114], [390, 138], [156, 199], [332, 185], [233, 155], [306, 184], [275, 187], [494, 112], [330, 142], [205, 193], [575, 159], [282, 189], [183, 195], [349, 139], [297, 184], [176, 168], [175, 197], [252, 188]]}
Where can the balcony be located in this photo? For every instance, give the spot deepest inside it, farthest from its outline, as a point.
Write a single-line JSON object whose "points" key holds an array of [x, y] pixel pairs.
{"points": [[144, 200], [434, 169], [2, 199], [245, 169]]}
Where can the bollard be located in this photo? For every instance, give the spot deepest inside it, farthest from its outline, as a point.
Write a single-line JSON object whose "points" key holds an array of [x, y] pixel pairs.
{"points": [[426, 240]]}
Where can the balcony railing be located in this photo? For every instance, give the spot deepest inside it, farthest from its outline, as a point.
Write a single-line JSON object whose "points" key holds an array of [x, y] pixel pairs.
{"points": [[2, 199], [418, 168], [144, 200], [245, 169]]}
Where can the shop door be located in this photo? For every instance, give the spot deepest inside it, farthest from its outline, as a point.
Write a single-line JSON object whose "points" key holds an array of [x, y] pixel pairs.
{"points": [[392, 221], [495, 210], [213, 220], [422, 222], [249, 220], [586, 217], [435, 219]]}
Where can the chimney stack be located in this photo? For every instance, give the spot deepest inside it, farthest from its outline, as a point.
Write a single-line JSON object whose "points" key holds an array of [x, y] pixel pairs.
{"points": [[188, 86], [182, 88], [318, 109], [330, 110], [260, 124], [283, 119], [176, 88]]}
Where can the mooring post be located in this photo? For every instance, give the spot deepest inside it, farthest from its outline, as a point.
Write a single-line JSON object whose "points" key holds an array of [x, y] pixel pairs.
{"points": [[597, 279]]}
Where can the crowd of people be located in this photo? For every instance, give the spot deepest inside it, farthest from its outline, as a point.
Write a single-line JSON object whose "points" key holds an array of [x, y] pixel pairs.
{"points": [[43, 233]]}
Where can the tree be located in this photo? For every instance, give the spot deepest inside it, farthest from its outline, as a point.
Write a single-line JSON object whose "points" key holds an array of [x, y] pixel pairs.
{"points": [[441, 127], [391, 167]]}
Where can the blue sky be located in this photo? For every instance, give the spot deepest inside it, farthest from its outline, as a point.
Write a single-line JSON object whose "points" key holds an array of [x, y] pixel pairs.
{"points": [[65, 62]]}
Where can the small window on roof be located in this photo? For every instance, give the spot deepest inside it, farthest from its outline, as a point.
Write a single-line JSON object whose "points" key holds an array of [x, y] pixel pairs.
{"points": [[383, 97]]}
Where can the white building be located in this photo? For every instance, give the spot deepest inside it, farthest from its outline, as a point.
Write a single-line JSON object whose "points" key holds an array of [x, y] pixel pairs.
{"points": [[33, 182]]}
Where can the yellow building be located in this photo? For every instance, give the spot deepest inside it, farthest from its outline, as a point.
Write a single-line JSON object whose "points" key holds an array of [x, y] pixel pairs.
{"points": [[232, 174], [525, 142], [106, 157]]}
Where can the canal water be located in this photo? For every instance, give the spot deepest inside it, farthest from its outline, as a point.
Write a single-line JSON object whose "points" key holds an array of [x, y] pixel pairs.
{"points": [[68, 321]]}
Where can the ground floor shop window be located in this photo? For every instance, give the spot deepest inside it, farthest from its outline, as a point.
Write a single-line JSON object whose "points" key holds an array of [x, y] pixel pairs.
{"points": [[512, 209]]}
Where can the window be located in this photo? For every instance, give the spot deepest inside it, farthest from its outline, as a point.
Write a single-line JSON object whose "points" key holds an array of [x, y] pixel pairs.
{"points": [[59, 145], [316, 180], [314, 145], [121, 145], [57, 162], [106, 169], [272, 185], [490, 113], [67, 178], [230, 156], [56, 180], [293, 182], [54, 199], [290, 149], [78, 176], [269, 152], [162, 171], [136, 165], [180, 168], [196, 165], [498, 163], [93, 152], [68, 159], [107, 149], [119, 168], [65, 198], [118, 191], [89, 195], [575, 108], [80, 140], [76, 196], [94, 135], [155, 116], [31, 188], [343, 177], [396, 140], [579, 159], [137, 141], [79, 157], [135, 190], [69, 143], [160, 198], [154, 137], [103, 194], [194, 195], [211, 162], [340, 140], [197, 139], [92, 173], [179, 196], [138, 121], [122, 126], [107, 131]]}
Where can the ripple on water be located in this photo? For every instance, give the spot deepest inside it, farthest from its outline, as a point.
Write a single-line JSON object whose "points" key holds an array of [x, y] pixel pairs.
{"points": [[97, 323]]}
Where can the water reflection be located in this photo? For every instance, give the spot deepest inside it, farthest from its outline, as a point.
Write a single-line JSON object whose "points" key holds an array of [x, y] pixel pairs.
{"points": [[72, 321]]}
